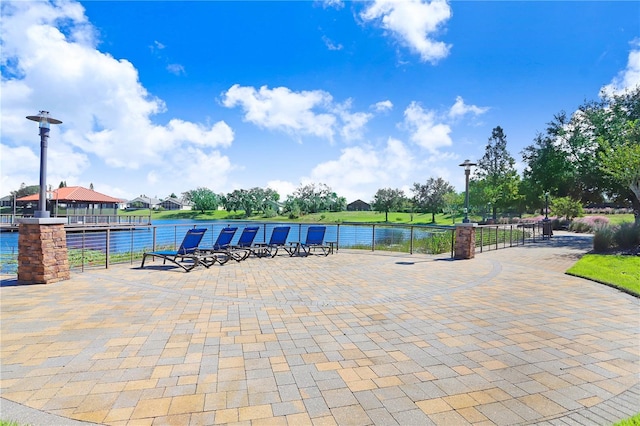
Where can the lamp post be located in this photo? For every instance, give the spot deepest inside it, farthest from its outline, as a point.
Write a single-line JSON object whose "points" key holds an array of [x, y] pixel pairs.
{"points": [[546, 206], [44, 121], [467, 171]]}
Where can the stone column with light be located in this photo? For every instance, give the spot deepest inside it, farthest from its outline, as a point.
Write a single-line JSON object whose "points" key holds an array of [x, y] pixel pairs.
{"points": [[42, 241], [465, 237]]}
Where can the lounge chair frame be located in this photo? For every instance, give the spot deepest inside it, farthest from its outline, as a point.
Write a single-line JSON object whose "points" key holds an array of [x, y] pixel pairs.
{"points": [[277, 241], [221, 251], [188, 250], [244, 247], [314, 241]]}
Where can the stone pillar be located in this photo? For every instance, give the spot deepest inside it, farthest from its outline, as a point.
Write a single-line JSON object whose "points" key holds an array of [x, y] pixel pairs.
{"points": [[42, 251], [465, 247]]}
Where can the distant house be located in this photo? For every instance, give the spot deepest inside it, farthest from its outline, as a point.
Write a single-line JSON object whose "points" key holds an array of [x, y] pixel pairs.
{"points": [[143, 203], [73, 200], [358, 205], [175, 204], [6, 201]]}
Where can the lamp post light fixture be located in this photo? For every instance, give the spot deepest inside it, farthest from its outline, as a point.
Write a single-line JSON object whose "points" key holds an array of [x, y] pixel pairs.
{"points": [[467, 171], [546, 206], [44, 121]]}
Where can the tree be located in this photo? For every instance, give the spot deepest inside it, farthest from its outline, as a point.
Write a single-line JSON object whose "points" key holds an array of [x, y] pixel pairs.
{"points": [[623, 164], [615, 123], [577, 156], [496, 173], [429, 198], [453, 203], [566, 207], [386, 200], [250, 200], [314, 198], [63, 184], [91, 186], [202, 199], [26, 190]]}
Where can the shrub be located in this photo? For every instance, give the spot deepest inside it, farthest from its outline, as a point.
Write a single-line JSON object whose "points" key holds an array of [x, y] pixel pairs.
{"points": [[603, 239], [438, 242], [269, 212], [588, 224], [627, 236], [566, 207]]}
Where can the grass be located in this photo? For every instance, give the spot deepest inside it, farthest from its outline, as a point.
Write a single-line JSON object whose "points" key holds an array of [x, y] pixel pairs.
{"points": [[323, 217], [618, 219], [615, 270], [631, 421]]}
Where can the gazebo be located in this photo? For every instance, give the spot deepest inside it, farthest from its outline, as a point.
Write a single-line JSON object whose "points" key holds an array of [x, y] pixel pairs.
{"points": [[74, 200]]}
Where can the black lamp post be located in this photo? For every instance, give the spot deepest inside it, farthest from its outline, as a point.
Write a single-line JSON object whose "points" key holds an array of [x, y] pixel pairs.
{"points": [[546, 206], [467, 171], [44, 120]]}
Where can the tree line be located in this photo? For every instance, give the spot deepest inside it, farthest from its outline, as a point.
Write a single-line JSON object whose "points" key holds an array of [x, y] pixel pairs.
{"points": [[589, 157], [306, 199]]}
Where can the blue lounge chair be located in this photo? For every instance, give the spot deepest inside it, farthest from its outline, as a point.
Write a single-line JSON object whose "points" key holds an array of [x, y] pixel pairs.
{"points": [[188, 250], [278, 240], [244, 247], [220, 252], [314, 241]]}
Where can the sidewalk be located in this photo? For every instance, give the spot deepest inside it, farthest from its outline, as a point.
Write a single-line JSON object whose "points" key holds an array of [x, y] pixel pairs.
{"points": [[356, 338]]}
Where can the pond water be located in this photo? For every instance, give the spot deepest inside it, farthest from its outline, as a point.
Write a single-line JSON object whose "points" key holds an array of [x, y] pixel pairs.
{"points": [[169, 233]]}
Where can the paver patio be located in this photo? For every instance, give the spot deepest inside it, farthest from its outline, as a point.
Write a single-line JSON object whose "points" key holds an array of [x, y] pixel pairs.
{"points": [[356, 338]]}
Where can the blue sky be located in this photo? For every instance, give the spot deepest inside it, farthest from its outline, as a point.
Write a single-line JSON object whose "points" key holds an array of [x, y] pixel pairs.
{"points": [[160, 97]]}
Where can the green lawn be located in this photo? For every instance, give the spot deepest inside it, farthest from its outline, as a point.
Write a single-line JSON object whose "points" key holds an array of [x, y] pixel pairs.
{"points": [[617, 219], [616, 270], [324, 217], [631, 421]]}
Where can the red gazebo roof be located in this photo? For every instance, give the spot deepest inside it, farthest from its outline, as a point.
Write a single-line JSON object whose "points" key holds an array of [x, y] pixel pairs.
{"points": [[74, 194]]}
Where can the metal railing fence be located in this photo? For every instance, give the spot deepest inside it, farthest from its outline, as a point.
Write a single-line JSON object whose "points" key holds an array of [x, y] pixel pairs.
{"points": [[77, 219], [102, 246]]}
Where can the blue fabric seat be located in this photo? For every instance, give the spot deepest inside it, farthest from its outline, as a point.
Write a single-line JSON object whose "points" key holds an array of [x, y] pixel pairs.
{"points": [[278, 240], [314, 241], [188, 250]]}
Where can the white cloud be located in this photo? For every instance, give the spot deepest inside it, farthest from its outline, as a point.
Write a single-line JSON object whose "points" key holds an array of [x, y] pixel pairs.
{"points": [[382, 106], [353, 124], [297, 113], [425, 130], [330, 44], [176, 69], [361, 170], [156, 46], [460, 109], [282, 187], [337, 4], [284, 110], [414, 22], [50, 60], [630, 76]]}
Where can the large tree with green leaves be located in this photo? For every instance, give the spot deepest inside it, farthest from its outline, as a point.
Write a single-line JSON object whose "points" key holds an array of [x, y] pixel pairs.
{"points": [[386, 200], [496, 176], [25, 190], [621, 162], [430, 196], [313, 198], [202, 199], [589, 156]]}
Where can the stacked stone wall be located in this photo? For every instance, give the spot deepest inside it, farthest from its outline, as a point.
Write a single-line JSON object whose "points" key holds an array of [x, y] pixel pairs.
{"points": [[465, 246], [42, 253]]}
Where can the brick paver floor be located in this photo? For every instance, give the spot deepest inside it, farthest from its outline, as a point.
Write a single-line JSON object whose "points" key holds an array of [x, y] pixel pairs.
{"points": [[356, 338]]}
